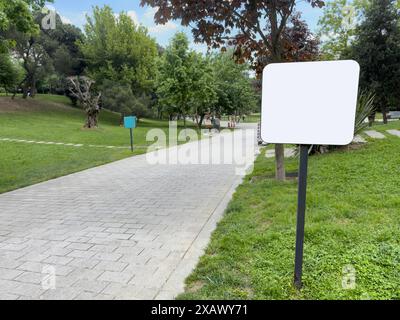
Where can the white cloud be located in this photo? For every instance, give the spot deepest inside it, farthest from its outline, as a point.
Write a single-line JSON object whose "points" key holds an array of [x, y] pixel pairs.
{"points": [[50, 7], [148, 19], [149, 13], [133, 15], [162, 28], [65, 20], [199, 47]]}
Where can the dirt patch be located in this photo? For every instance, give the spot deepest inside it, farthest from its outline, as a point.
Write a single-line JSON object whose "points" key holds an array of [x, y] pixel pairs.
{"points": [[353, 146], [8, 105], [264, 225], [195, 286], [289, 176]]}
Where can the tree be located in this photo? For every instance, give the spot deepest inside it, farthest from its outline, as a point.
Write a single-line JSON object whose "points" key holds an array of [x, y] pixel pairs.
{"points": [[34, 59], [115, 48], [120, 98], [204, 97], [377, 49], [17, 23], [82, 89], [64, 58], [235, 92], [176, 76], [61, 46], [338, 24], [17, 14], [253, 27], [46, 54], [299, 44], [10, 72]]}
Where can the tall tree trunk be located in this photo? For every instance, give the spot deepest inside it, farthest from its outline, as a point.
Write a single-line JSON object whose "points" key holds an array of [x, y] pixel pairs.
{"points": [[384, 114], [201, 120], [91, 119], [33, 87], [280, 173], [25, 91], [371, 119], [16, 88]]}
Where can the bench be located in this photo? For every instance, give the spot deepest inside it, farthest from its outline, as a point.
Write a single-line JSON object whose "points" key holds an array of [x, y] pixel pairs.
{"points": [[394, 115]]}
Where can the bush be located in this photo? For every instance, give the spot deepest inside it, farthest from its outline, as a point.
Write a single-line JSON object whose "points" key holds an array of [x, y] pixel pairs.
{"points": [[365, 109], [120, 98]]}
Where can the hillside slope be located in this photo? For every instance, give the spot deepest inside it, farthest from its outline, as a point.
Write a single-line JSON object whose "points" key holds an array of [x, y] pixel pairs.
{"points": [[50, 119]]}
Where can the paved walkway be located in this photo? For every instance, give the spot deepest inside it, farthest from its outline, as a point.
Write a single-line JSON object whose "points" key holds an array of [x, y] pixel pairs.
{"points": [[374, 134], [126, 230]]}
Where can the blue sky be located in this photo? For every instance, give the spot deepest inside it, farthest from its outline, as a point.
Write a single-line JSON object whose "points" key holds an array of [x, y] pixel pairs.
{"points": [[74, 11]]}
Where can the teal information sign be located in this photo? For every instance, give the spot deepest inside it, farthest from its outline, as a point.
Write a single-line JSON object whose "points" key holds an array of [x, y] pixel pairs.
{"points": [[130, 122]]}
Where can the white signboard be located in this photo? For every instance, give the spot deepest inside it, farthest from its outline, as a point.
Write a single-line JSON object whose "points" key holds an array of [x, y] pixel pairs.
{"points": [[310, 102]]}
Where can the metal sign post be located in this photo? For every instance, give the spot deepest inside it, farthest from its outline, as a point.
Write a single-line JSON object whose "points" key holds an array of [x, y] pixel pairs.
{"points": [[301, 214], [131, 130], [293, 112], [130, 123]]}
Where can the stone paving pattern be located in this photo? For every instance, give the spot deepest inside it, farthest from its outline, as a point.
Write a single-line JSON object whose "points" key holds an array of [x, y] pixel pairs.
{"points": [[126, 230]]}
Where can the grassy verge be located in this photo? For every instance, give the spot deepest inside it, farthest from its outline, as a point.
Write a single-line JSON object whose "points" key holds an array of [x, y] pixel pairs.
{"points": [[352, 221], [254, 118], [51, 119]]}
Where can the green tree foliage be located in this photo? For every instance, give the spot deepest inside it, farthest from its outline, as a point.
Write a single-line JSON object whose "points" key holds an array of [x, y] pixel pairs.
{"points": [[191, 84], [204, 97], [338, 24], [120, 98], [48, 56], [256, 29], [33, 57], [61, 46], [176, 79], [115, 48], [64, 57], [377, 49], [17, 14], [10, 72], [236, 94]]}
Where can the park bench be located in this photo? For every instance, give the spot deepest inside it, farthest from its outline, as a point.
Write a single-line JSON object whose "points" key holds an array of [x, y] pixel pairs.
{"points": [[394, 115]]}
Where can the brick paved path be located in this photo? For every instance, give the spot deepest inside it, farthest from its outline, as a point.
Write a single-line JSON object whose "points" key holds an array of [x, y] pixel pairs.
{"points": [[126, 230]]}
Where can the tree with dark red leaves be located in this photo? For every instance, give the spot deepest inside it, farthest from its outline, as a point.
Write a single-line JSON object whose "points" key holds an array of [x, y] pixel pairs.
{"points": [[257, 29]]}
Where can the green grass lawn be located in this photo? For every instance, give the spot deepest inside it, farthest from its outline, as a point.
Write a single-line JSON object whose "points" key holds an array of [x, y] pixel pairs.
{"points": [[352, 219], [52, 119], [253, 118]]}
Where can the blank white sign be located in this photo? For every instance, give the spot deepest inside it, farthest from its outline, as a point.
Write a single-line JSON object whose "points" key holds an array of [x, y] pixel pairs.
{"points": [[310, 102]]}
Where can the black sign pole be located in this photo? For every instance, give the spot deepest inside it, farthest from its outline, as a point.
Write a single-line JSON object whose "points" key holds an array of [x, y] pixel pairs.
{"points": [[131, 130], [301, 211]]}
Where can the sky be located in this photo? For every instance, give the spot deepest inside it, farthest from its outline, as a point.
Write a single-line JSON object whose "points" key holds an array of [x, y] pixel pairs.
{"points": [[75, 11]]}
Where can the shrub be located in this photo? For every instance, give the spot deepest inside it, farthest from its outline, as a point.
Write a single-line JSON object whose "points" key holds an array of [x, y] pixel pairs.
{"points": [[120, 98], [365, 109]]}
